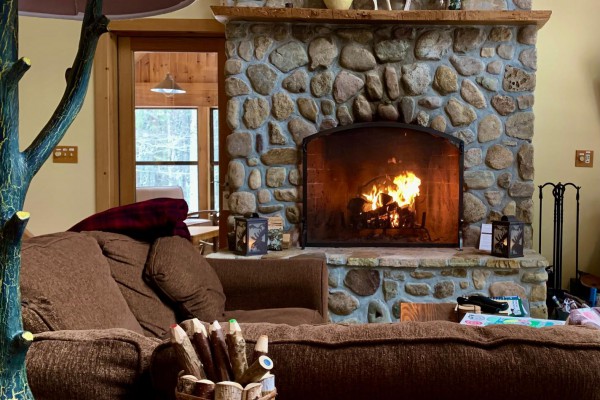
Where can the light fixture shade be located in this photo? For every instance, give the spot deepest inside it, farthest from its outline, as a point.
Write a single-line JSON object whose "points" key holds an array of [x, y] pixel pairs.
{"points": [[113, 9], [168, 87]]}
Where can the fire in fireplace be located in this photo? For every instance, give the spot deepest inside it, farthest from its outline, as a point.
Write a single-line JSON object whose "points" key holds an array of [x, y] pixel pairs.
{"points": [[382, 184]]}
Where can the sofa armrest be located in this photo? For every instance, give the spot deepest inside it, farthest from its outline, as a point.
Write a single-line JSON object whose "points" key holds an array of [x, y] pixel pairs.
{"points": [[251, 284], [91, 364]]}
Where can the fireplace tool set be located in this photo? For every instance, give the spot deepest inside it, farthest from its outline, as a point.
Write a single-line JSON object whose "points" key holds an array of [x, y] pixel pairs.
{"points": [[584, 284]]}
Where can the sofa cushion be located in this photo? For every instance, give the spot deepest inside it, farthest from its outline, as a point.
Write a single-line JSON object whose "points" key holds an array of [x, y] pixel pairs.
{"points": [[70, 272], [289, 316], [419, 360], [127, 258], [102, 364], [179, 271]]}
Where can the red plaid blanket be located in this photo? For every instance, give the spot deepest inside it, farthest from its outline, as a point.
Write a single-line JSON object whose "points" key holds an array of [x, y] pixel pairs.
{"points": [[146, 220]]}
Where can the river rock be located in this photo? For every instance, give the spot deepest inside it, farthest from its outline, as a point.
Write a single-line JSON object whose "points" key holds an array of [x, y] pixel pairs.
{"points": [[256, 112], [392, 50], [322, 52], [261, 46], [321, 84], [472, 95], [387, 112], [467, 39], [363, 282], [520, 125], [517, 80], [289, 56], [362, 109], [467, 66], [275, 177], [283, 106], [479, 179], [416, 78], [341, 303], [276, 136], [525, 162], [357, 58], [474, 209], [433, 45], [374, 86], [391, 82], [473, 157], [499, 157], [345, 86], [239, 144], [445, 80], [262, 78], [504, 104], [308, 108], [490, 128], [300, 129], [459, 113], [242, 203], [236, 87], [295, 82], [232, 114], [280, 156]]}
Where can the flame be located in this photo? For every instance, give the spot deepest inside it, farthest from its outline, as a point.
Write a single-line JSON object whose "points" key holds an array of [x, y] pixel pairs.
{"points": [[403, 190]]}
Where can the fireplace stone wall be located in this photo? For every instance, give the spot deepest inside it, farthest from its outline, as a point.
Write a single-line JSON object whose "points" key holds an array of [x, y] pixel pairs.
{"points": [[285, 81]]}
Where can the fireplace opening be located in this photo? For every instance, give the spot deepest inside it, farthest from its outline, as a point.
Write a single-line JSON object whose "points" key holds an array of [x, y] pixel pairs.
{"points": [[382, 184]]}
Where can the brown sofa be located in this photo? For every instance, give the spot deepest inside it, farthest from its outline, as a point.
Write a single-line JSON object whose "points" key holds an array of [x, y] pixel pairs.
{"points": [[78, 294]]}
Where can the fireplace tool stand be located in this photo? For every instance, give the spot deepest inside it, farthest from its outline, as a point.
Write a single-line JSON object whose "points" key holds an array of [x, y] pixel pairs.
{"points": [[584, 284]]}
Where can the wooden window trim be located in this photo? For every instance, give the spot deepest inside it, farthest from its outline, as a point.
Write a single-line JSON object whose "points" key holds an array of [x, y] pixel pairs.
{"points": [[107, 108]]}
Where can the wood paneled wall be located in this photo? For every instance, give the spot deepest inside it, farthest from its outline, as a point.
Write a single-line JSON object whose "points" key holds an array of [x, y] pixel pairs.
{"points": [[197, 73]]}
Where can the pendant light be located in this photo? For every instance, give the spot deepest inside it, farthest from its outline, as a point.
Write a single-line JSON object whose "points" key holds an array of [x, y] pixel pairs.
{"points": [[168, 87]]}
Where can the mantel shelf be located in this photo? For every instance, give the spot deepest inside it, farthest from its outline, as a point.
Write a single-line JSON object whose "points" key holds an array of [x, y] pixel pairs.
{"points": [[226, 14]]}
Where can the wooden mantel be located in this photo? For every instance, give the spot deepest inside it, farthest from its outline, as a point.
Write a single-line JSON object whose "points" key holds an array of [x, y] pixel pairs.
{"points": [[225, 14]]}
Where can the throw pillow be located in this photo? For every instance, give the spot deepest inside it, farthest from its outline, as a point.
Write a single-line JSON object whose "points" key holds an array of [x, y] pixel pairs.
{"points": [[178, 270], [145, 220], [127, 259], [69, 271]]}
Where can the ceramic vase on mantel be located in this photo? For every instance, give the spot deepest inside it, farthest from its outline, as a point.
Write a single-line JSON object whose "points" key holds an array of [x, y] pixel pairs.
{"points": [[338, 4]]}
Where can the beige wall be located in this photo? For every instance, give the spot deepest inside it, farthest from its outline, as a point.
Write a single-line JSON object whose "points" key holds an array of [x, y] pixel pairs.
{"points": [[567, 113], [62, 194], [567, 118]]}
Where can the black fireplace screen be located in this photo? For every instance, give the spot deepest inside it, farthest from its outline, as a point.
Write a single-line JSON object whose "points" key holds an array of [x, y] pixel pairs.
{"points": [[382, 184]]}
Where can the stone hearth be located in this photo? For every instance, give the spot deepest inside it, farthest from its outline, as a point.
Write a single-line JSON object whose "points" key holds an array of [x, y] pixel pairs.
{"points": [[367, 284]]}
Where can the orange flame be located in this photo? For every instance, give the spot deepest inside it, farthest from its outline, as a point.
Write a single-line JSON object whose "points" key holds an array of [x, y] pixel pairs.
{"points": [[403, 190]]}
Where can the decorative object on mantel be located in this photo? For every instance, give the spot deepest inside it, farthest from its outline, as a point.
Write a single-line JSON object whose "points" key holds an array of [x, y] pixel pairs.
{"points": [[454, 5], [508, 237], [339, 4], [251, 237], [248, 381]]}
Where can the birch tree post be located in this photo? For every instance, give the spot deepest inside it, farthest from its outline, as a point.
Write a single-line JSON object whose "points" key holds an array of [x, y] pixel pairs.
{"points": [[17, 170]]}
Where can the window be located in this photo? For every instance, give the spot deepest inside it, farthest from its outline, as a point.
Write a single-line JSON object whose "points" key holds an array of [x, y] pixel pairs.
{"points": [[214, 157], [166, 149]]}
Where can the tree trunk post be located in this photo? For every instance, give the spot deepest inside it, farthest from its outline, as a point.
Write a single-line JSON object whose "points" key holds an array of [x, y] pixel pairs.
{"points": [[18, 168]]}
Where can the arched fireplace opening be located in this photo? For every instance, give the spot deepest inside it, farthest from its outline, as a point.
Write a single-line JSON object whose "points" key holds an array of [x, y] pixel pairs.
{"points": [[382, 184]]}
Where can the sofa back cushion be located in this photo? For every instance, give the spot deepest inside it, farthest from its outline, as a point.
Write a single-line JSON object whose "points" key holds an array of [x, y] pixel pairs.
{"points": [[127, 258], [67, 276], [177, 269]]}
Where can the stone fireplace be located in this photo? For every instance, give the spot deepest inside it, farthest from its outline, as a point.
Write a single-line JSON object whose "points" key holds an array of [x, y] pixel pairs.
{"points": [[470, 84]]}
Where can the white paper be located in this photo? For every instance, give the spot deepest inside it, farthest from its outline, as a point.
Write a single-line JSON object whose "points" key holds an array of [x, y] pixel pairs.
{"points": [[485, 239]]}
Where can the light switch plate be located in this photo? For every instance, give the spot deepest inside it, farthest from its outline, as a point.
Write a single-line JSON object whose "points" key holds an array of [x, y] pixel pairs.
{"points": [[65, 154], [584, 158]]}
